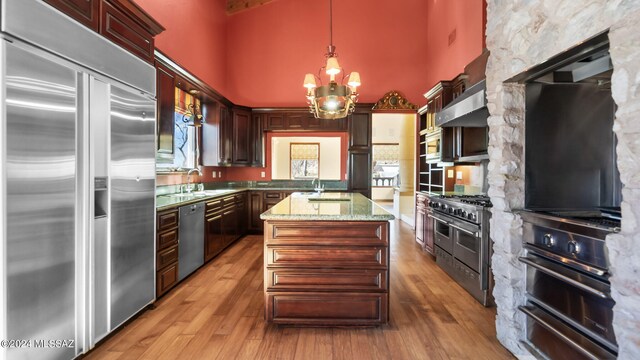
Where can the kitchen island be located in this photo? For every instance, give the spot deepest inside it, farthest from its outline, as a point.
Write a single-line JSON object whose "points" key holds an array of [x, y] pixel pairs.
{"points": [[326, 261]]}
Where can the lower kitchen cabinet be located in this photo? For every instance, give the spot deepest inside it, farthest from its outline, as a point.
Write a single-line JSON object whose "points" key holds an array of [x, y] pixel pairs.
{"points": [[424, 224], [225, 222], [166, 251], [260, 201]]}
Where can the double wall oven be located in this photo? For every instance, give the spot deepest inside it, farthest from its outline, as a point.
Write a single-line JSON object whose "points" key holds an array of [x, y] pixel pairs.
{"points": [[462, 244], [569, 306]]}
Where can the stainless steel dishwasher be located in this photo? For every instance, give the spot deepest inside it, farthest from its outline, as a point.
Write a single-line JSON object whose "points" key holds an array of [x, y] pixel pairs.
{"points": [[191, 239]]}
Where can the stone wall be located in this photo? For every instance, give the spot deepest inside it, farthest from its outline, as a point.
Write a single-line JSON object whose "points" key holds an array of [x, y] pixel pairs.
{"points": [[521, 33]]}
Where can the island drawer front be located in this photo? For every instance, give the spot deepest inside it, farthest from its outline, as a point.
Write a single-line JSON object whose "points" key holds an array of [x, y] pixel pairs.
{"points": [[327, 233], [322, 256], [327, 308], [168, 238], [326, 280]]}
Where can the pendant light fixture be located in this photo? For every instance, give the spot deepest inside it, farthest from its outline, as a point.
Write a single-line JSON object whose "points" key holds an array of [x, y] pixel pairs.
{"points": [[333, 100]]}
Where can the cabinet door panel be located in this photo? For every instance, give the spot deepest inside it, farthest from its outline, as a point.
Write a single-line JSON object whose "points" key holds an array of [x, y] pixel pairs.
{"points": [[295, 121], [166, 279], [241, 137], [257, 141], [165, 89], [255, 209], [215, 240], [119, 28], [84, 11], [275, 122]]}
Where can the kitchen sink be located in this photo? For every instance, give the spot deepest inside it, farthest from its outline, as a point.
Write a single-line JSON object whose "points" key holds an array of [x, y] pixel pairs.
{"points": [[315, 196]]}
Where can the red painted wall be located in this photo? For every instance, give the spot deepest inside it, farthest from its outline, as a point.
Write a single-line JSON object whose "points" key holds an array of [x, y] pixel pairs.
{"points": [[195, 36], [247, 173], [446, 60], [271, 47]]}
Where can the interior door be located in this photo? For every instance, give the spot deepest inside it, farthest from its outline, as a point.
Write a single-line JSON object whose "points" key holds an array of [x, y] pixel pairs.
{"points": [[132, 175]]}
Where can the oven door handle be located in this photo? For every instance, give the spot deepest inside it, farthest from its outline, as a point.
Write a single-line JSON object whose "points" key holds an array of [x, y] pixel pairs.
{"points": [[558, 333], [564, 278], [439, 220], [590, 269], [474, 234]]}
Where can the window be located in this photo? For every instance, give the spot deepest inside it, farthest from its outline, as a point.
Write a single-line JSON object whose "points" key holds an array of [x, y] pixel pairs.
{"points": [[386, 165], [305, 160]]}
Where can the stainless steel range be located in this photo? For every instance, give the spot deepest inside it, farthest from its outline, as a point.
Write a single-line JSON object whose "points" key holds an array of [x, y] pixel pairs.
{"points": [[462, 243], [569, 306]]}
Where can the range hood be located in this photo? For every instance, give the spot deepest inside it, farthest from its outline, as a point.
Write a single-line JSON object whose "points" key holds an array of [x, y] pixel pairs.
{"points": [[467, 110]]}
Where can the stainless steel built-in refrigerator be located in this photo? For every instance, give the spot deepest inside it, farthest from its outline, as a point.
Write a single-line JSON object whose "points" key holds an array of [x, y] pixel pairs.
{"points": [[77, 181]]}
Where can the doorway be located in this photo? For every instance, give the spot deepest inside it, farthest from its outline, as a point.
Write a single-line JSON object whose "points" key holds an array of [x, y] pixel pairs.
{"points": [[393, 163]]}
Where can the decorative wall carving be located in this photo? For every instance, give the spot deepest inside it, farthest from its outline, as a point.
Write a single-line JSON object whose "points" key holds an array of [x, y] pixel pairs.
{"points": [[394, 100]]}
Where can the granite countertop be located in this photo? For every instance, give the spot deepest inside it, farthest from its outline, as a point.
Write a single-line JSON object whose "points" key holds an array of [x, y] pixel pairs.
{"points": [[165, 202], [170, 201], [329, 206]]}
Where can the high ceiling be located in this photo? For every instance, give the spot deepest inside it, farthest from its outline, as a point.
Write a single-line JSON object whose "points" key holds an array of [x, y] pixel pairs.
{"points": [[233, 6]]}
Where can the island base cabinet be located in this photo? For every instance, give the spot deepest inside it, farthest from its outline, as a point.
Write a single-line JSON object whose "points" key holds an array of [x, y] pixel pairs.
{"points": [[327, 309], [326, 273]]}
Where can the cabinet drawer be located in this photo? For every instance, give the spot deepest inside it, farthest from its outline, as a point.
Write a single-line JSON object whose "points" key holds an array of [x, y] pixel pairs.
{"points": [[167, 256], [167, 239], [326, 279], [167, 220], [241, 198], [272, 195], [229, 200], [214, 205], [333, 233], [323, 256], [166, 279], [327, 308]]}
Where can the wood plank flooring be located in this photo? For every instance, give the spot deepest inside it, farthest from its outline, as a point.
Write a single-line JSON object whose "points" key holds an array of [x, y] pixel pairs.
{"points": [[217, 314]]}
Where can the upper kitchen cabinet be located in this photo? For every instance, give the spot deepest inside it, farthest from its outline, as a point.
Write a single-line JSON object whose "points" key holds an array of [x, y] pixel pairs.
{"points": [[257, 140], [299, 120], [121, 21], [217, 131], [241, 141], [165, 90]]}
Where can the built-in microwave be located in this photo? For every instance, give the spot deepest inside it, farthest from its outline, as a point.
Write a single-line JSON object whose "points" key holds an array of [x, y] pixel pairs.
{"points": [[433, 145]]}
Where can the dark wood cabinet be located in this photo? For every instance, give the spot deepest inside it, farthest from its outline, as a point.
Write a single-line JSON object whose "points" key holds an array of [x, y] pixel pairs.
{"points": [[296, 121], [275, 122], [217, 130], [424, 224], [165, 94], [225, 222], [340, 278], [214, 236], [166, 251], [121, 21], [255, 209], [300, 120], [359, 161], [257, 140], [86, 12], [116, 26], [241, 140]]}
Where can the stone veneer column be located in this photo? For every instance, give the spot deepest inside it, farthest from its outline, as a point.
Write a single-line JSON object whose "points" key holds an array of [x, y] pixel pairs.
{"points": [[624, 247], [522, 33]]}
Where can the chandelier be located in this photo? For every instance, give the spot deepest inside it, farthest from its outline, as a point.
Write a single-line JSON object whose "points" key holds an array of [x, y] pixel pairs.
{"points": [[333, 100]]}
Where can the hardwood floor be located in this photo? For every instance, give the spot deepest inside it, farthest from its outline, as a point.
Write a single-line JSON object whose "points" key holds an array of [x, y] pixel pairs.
{"points": [[217, 314]]}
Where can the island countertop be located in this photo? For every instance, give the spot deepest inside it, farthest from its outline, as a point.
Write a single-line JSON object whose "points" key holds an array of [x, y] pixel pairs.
{"points": [[328, 206]]}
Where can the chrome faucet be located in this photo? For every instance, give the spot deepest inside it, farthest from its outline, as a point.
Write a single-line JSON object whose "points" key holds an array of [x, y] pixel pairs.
{"points": [[317, 186], [189, 180]]}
